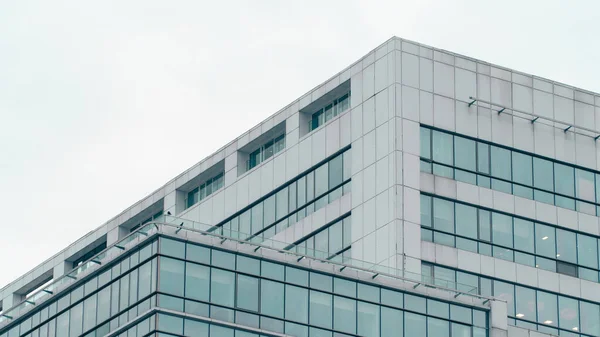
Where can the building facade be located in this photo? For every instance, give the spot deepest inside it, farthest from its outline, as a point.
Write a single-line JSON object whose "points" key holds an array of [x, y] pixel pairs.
{"points": [[416, 193]]}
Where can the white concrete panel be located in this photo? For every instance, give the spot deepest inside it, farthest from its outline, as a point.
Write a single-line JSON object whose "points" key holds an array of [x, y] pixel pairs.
{"points": [[242, 192], [588, 223], [279, 170], [357, 156], [543, 104], [443, 113], [369, 150], [382, 141], [466, 85], [569, 285], [505, 270], [466, 119], [368, 88], [382, 212], [548, 280], [545, 212], [411, 170], [345, 130], [564, 110], [443, 79], [332, 137], [467, 192], [524, 207], [584, 115], [484, 123], [381, 108], [527, 275], [447, 256], [305, 148], [254, 185], [523, 134], [318, 146], [357, 189], [412, 239], [483, 87], [410, 70], [426, 108], [522, 98], [411, 137], [504, 202], [411, 205], [357, 92], [564, 143], [469, 261], [291, 164], [266, 177], [381, 74], [502, 129], [501, 93], [368, 115], [585, 148], [369, 182], [381, 175], [544, 140], [356, 117], [410, 103], [426, 74]]}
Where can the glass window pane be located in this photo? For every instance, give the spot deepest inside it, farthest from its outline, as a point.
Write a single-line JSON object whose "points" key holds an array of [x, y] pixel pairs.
{"points": [[296, 304], [171, 276], [344, 287], [587, 247], [271, 298], [172, 248], [437, 327], [485, 225], [247, 290], [525, 298], [335, 171], [344, 314], [414, 325], [257, 217], [502, 230], [368, 293], [590, 322], [320, 281], [272, 270], [197, 280], [584, 185], [461, 314], [195, 328], [543, 174], [392, 322], [483, 158], [426, 210], [500, 163], [392, 298], [368, 319], [464, 153], [443, 148], [282, 203], [321, 180], [545, 241], [524, 239], [438, 309], [506, 292], [168, 323], [443, 214], [466, 221], [522, 168], [425, 143], [459, 330], [222, 290], [547, 308], [75, 319], [564, 181], [566, 246], [415, 303], [569, 313], [296, 276], [320, 309]]}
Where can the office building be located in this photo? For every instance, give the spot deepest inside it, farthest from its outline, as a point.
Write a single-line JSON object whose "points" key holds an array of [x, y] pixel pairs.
{"points": [[417, 192]]}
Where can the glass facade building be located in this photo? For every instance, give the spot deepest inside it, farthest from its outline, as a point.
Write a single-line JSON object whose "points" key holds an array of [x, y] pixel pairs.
{"points": [[417, 193]]}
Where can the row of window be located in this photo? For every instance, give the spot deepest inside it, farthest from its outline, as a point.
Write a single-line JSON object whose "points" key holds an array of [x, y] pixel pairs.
{"points": [[509, 237], [323, 115], [302, 297], [310, 190], [510, 171], [97, 294], [207, 188], [98, 308], [330, 241], [528, 307], [266, 151], [189, 327]]}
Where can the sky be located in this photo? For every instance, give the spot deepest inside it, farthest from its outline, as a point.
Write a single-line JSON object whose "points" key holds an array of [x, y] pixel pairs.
{"points": [[103, 102]]}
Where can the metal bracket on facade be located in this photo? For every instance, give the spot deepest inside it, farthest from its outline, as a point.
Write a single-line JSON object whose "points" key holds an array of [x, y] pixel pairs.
{"points": [[486, 301], [9, 317], [457, 294], [596, 138], [374, 276], [300, 258], [30, 302], [257, 248], [120, 247], [71, 277], [501, 110], [472, 102], [179, 229], [567, 129], [223, 241], [47, 291], [416, 285], [96, 261], [533, 120], [144, 234], [342, 269]]}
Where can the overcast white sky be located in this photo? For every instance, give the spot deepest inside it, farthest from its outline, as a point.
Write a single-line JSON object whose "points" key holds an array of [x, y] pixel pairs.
{"points": [[102, 102]]}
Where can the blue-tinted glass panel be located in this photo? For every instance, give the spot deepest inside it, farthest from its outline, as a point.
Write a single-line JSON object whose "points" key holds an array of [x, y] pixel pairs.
{"points": [[197, 281], [271, 301], [443, 146], [522, 168], [464, 153], [296, 304], [392, 322], [502, 230], [425, 143], [543, 174], [564, 180], [524, 238], [437, 327], [171, 276], [415, 325], [566, 246], [320, 309], [547, 308], [247, 290], [222, 287], [500, 163], [368, 319], [466, 221], [443, 215], [344, 314]]}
